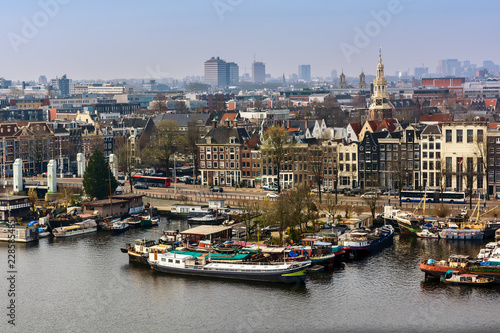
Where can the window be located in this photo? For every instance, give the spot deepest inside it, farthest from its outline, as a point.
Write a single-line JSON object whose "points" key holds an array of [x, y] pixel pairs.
{"points": [[448, 136], [470, 136], [431, 154], [460, 135], [347, 167], [202, 156], [341, 156], [347, 157], [424, 145], [431, 165], [480, 137], [354, 156], [215, 163], [438, 145], [424, 154], [431, 145], [438, 154], [424, 165]]}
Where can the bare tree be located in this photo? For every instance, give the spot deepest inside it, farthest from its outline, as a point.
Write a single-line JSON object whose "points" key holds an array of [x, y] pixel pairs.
{"points": [[166, 141], [316, 158], [276, 146], [194, 133], [126, 162], [371, 201]]}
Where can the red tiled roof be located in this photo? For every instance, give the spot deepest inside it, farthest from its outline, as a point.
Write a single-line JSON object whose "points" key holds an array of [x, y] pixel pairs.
{"points": [[293, 129], [356, 127], [231, 116], [490, 102], [493, 125], [389, 124], [373, 124]]}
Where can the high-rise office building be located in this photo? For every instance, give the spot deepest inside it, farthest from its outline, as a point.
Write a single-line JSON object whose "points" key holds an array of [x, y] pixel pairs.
{"points": [[216, 72], [305, 72], [42, 79], [233, 73], [258, 72], [61, 84]]}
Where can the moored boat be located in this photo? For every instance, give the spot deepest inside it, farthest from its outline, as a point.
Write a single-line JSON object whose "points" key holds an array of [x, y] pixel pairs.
{"points": [[119, 226], [174, 263], [43, 232], [362, 242], [206, 219], [425, 233], [78, 228], [436, 269], [457, 278], [139, 252]]}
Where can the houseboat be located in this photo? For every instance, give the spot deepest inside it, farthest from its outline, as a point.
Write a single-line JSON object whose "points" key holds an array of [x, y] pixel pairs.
{"points": [[19, 233], [206, 219], [457, 278], [362, 242], [437, 269], [139, 252], [186, 211], [78, 228], [174, 263]]}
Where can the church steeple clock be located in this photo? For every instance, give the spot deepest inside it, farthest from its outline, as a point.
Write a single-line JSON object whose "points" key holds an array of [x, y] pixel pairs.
{"points": [[380, 107]]}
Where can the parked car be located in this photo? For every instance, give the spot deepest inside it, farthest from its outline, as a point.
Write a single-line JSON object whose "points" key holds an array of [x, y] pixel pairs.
{"points": [[369, 195], [272, 195], [270, 187], [392, 192], [349, 193], [216, 189], [141, 186]]}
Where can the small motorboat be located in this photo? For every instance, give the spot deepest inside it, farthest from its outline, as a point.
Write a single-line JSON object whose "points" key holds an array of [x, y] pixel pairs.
{"points": [[43, 232], [455, 277], [119, 227], [425, 233]]}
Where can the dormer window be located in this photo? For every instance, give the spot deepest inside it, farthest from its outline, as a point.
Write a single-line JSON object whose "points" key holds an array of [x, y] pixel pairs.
{"points": [[232, 140]]}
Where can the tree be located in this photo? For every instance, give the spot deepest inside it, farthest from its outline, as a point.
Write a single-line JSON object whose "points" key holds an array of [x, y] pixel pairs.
{"points": [[33, 199], [97, 180], [331, 112], [371, 201], [194, 134], [166, 141], [159, 103], [469, 174], [123, 152], [251, 210], [297, 201], [180, 107], [330, 205], [316, 158], [277, 145]]}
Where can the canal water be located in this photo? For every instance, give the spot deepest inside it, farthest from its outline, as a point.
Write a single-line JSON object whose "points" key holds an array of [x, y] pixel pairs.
{"points": [[85, 284]]}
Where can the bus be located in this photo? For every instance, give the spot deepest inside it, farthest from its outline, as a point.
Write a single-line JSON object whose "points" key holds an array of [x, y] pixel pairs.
{"points": [[434, 196], [152, 181]]}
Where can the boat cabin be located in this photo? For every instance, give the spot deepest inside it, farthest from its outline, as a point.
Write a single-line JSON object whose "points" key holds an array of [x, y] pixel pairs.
{"points": [[358, 223]]}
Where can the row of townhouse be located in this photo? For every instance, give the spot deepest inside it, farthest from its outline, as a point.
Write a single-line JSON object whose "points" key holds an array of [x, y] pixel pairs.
{"points": [[451, 155]]}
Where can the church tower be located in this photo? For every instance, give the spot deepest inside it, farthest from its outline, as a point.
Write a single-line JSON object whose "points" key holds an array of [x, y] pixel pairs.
{"points": [[380, 108], [362, 83], [342, 84]]}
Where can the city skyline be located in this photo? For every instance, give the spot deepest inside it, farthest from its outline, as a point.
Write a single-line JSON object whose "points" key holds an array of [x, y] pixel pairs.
{"points": [[95, 40]]}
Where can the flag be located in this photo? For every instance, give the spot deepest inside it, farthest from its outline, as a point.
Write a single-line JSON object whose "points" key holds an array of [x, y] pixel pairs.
{"points": [[461, 161]]}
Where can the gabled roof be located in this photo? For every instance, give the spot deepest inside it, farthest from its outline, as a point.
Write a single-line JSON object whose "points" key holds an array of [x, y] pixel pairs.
{"points": [[432, 129], [134, 122], [490, 102], [356, 127], [389, 124], [373, 124], [229, 116], [221, 135], [183, 119]]}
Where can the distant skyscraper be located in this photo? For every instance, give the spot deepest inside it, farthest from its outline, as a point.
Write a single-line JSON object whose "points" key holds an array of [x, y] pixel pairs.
{"points": [[216, 73], [305, 72], [421, 71], [334, 75], [42, 79], [258, 72], [449, 67], [233, 73], [61, 84]]}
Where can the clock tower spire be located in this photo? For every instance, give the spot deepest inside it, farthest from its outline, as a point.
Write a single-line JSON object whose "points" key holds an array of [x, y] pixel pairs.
{"points": [[380, 107]]}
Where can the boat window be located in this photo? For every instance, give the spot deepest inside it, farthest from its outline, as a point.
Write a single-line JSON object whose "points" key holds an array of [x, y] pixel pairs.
{"points": [[177, 261], [170, 260], [163, 259]]}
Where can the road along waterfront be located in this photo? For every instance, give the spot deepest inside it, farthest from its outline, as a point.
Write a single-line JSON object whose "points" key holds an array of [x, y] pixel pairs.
{"points": [[85, 284]]}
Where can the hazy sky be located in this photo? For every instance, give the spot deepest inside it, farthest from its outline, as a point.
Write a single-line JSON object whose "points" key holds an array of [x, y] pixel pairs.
{"points": [[106, 39]]}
